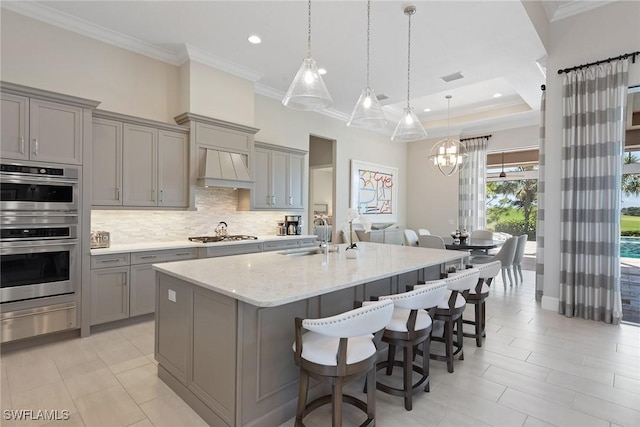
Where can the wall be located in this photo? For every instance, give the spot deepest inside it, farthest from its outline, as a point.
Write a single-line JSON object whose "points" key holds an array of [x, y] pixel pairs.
{"points": [[212, 206], [292, 128], [46, 57], [434, 197], [601, 33]]}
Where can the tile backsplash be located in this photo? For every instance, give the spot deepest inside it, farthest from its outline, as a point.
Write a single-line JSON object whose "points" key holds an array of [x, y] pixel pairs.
{"points": [[212, 206]]}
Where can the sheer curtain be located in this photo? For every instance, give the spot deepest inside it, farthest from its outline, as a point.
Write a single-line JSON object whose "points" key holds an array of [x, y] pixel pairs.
{"points": [[593, 140], [540, 214], [473, 185]]}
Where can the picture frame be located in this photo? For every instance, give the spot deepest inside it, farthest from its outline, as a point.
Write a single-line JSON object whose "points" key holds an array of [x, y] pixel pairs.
{"points": [[374, 191]]}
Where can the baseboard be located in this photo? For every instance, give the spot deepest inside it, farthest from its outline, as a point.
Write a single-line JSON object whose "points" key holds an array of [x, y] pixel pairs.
{"points": [[550, 303]]}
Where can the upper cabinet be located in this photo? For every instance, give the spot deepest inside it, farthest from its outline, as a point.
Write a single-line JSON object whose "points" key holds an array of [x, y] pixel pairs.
{"points": [[279, 177], [42, 126], [139, 163]]}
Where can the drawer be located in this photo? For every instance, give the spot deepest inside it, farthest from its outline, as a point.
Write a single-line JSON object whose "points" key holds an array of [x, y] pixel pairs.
{"points": [[309, 241], [166, 255], [111, 260], [226, 250], [280, 244]]}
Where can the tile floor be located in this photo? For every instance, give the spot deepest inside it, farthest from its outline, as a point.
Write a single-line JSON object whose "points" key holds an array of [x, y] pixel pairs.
{"points": [[536, 368]]}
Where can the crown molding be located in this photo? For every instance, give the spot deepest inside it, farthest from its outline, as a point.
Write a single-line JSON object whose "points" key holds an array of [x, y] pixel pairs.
{"points": [[199, 55], [576, 7], [67, 22]]}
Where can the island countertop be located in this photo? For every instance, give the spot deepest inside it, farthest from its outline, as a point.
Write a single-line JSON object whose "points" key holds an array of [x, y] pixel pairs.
{"points": [[272, 279]]}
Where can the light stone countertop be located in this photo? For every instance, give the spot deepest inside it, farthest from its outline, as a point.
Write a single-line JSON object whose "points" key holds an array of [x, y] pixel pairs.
{"points": [[270, 279], [178, 244]]}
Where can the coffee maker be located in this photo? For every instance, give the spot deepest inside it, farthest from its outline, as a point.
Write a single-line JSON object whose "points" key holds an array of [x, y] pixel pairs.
{"points": [[293, 224]]}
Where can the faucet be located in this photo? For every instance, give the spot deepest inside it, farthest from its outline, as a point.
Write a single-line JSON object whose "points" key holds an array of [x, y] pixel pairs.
{"points": [[324, 244]]}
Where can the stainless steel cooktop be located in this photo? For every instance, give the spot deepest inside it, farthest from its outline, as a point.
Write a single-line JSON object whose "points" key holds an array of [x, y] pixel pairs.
{"points": [[212, 239]]}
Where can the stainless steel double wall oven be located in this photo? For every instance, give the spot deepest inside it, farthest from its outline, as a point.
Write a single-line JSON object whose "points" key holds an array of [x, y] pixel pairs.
{"points": [[40, 252]]}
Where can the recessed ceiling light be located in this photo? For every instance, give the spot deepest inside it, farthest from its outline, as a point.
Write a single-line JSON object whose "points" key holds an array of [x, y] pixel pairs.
{"points": [[254, 39], [497, 95], [322, 71], [426, 110]]}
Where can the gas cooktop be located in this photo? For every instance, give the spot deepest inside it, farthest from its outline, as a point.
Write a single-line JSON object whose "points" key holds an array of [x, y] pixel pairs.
{"points": [[228, 238]]}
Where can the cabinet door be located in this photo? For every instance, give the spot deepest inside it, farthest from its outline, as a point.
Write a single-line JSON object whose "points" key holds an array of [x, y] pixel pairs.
{"points": [[173, 169], [14, 137], [143, 290], [279, 181], [262, 189], [109, 294], [106, 163], [55, 132], [296, 174], [139, 165]]}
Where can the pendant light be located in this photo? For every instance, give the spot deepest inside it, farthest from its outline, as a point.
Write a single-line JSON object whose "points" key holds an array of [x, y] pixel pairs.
{"points": [[448, 155], [503, 174], [368, 113], [409, 127], [307, 91]]}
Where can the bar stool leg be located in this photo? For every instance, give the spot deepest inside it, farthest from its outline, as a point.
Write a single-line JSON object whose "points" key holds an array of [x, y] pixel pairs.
{"points": [[371, 392], [336, 402], [303, 388], [460, 337], [391, 357], [408, 370], [448, 333], [425, 361], [478, 322]]}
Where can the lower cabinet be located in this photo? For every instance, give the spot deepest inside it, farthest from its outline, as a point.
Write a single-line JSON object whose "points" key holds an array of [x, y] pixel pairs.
{"points": [[390, 236], [124, 285]]}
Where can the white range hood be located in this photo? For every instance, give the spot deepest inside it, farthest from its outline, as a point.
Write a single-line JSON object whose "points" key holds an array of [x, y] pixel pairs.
{"points": [[225, 169]]}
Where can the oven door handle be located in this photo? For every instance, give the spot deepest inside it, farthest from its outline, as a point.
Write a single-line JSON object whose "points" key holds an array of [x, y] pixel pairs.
{"points": [[39, 180], [9, 248]]}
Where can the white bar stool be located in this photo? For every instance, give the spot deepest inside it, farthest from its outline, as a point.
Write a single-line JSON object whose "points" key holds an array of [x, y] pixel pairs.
{"points": [[338, 349]]}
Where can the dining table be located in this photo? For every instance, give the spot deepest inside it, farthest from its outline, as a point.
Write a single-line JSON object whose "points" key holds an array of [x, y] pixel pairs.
{"points": [[470, 244]]}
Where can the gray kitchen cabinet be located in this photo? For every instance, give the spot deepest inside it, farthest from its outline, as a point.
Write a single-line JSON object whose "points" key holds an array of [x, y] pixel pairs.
{"points": [[142, 296], [106, 179], [390, 236], [279, 175], [36, 129], [134, 269], [109, 294], [139, 163]]}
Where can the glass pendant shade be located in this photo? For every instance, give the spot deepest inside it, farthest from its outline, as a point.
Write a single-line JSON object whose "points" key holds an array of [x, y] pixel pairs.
{"points": [[307, 91], [448, 156], [368, 112], [409, 128]]}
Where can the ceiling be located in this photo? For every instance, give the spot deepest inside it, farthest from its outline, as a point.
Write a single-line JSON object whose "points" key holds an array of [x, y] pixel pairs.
{"points": [[493, 44]]}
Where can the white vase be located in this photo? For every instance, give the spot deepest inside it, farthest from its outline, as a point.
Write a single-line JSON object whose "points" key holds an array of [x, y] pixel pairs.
{"points": [[352, 253]]}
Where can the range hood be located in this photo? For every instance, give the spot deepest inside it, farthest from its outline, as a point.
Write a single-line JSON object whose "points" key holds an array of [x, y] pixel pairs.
{"points": [[224, 169]]}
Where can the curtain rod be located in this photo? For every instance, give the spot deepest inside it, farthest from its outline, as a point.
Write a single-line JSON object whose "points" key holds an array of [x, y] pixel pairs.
{"points": [[476, 137], [623, 56]]}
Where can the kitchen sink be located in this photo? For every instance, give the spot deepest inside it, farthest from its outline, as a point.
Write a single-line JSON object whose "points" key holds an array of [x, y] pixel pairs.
{"points": [[307, 251]]}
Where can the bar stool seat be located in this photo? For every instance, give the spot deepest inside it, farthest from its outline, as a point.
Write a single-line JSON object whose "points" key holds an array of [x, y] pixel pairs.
{"points": [[339, 349], [410, 327]]}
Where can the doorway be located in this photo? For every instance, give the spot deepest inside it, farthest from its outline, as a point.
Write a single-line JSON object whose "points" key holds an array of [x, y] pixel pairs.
{"points": [[322, 161]]}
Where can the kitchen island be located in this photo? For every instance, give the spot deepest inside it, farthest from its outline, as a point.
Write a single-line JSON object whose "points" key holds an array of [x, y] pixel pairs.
{"points": [[225, 326]]}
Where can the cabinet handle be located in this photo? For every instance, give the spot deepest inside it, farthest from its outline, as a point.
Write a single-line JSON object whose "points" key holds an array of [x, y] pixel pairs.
{"points": [[183, 254], [110, 260], [147, 257], [290, 200], [153, 195], [161, 195], [268, 200], [22, 145], [35, 150], [273, 200], [117, 193]]}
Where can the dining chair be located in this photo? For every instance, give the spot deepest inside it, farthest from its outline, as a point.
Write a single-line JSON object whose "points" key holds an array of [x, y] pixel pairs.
{"points": [[505, 255], [517, 258], [410, 238], [423, 232], [431, 241], [336, 350]]}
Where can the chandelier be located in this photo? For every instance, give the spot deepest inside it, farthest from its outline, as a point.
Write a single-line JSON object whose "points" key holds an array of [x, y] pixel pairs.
{"points": [[448, 155], [307, 91]]}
